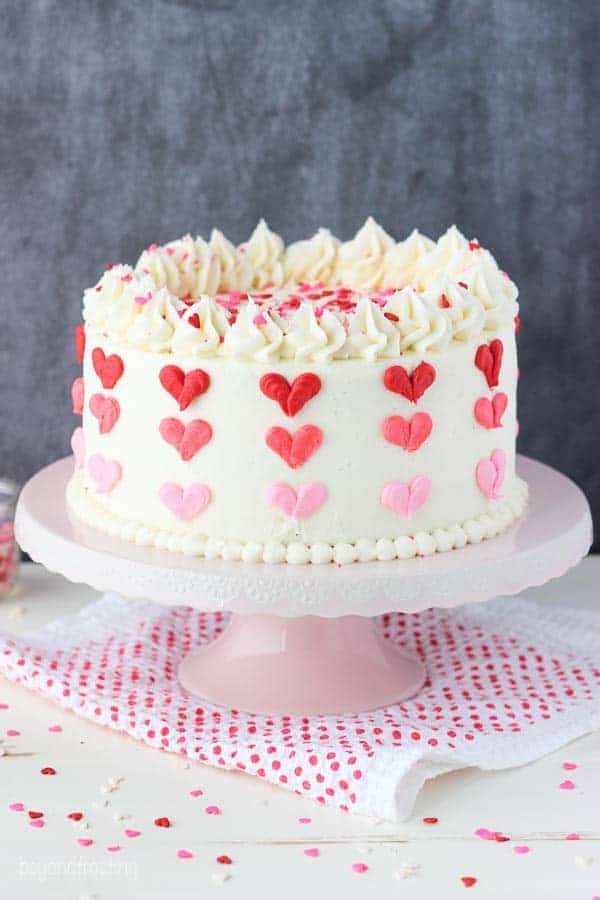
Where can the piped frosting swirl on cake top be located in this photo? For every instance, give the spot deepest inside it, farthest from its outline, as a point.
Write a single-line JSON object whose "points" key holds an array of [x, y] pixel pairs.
{"points": [[316, 300]]}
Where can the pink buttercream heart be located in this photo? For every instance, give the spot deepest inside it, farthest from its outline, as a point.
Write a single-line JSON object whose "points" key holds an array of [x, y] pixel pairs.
{"points": [[187, 439], [78, 447], [489, 474], [488, 413], [296, 505], [409, 434], [106, 410], [405, 499], [185, 503], [77, 396], [105, 472]]}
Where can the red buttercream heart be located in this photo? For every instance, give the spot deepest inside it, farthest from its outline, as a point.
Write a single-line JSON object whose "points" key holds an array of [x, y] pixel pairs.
{"points": [[489, 360], [79, 342], [291, 397], [187, 439], [295, 449], [410, 434], [106, 410], [108, 368], [412, 386], [184, 386]]}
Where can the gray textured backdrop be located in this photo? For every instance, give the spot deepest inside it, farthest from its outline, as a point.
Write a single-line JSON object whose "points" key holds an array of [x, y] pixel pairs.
{"points": [[123, 123]]}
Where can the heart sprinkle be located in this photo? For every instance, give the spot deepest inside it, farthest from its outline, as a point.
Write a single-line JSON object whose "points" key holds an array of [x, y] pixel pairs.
{"points": [[567, 785], [85, 842], [55, 729], [162, 822], [569, 766], [468, 881], [48, 770], [184, 854], [224, 860], [312, 852], [75, 816], [521, 849], [37, 823], [213, 811], [16, 807], [132, 833], [197, 792], [430, 820], [360, 868], [35, 815]]}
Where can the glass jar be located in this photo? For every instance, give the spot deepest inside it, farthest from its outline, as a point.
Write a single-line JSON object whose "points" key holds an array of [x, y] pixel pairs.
{"points": [[9, 552]]}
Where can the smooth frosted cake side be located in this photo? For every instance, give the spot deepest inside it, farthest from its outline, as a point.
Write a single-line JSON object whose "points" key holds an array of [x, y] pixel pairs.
{"points": [[322, 403]]}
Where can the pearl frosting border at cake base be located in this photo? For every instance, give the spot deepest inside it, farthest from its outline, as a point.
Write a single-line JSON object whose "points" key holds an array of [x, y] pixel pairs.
{"points": [[423, 543]]}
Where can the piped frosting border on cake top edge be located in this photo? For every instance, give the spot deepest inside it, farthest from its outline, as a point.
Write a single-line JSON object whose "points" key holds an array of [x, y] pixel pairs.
{"points": [[438, 293], [503, 513]]}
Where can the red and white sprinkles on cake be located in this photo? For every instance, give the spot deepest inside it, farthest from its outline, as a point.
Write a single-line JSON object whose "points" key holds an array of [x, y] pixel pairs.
{"points": [[368, 297]]}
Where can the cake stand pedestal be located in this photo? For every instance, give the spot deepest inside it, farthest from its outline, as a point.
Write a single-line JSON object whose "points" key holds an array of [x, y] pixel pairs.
{"points": [[302, 638]]}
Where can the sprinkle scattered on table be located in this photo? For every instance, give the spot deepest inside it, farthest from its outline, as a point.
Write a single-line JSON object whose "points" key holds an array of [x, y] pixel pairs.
{"points": [[360, 868], [567, 785]]}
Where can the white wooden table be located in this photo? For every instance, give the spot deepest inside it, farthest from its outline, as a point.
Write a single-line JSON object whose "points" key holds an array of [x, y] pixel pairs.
{"points": [[259, 827]]}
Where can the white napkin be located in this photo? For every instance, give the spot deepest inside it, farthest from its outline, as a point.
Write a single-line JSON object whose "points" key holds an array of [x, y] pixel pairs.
{"points": [[508, 681]]}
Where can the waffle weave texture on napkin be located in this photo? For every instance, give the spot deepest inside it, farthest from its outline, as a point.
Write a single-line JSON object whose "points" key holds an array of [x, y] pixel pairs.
{"points": [[508, 681]]}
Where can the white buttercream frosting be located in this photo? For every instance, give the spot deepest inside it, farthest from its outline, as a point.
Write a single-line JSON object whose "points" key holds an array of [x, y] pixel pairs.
{"points": [[312, 260], [368, 298], [422, 543], [264, 249], [360, 262]]}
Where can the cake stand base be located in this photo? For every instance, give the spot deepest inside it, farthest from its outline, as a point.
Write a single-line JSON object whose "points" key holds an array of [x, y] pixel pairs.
{"points": [[302, 638], [306, 666]]}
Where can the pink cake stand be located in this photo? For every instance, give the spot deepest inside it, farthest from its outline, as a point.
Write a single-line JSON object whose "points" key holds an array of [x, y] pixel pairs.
{"points": [[302, 639]]}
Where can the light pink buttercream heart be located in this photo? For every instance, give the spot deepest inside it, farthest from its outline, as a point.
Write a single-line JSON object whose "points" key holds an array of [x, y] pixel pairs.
{"points": [[489, 474], [105, 472], [296, 505], [78, 447], [405, 499], [185, 503]]}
